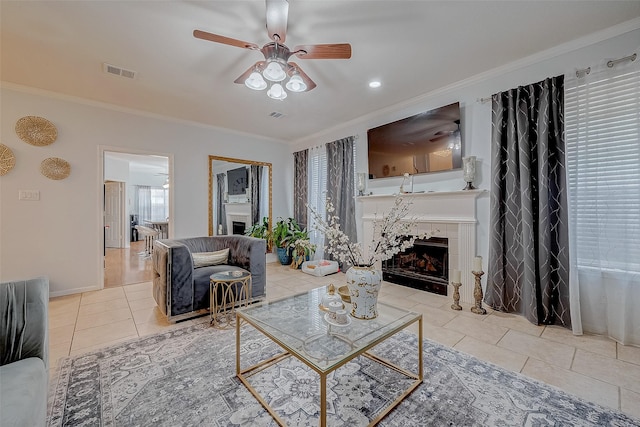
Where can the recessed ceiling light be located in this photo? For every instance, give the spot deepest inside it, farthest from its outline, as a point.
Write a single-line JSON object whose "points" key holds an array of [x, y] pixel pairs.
{"points": [[375, 84]]}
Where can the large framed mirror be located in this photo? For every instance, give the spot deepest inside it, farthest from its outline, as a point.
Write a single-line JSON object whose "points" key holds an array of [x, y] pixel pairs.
{"points": [[239, 195]]}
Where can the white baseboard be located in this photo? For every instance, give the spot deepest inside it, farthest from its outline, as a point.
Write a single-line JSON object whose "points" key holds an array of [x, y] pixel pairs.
{"points": [[53, 294]]}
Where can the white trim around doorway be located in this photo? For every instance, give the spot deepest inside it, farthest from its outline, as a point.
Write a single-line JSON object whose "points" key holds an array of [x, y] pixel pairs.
{"points": [[100, 200]]}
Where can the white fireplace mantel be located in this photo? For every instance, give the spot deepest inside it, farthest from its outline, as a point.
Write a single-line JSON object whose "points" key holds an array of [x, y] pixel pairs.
{"points": [[239, 212], [449, 214]]}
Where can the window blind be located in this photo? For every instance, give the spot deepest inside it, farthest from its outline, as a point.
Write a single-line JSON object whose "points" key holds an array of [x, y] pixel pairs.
{"points": [[602, 131]]}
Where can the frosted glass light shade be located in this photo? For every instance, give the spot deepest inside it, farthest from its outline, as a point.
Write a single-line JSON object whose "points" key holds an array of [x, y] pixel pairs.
{"points": [[277, 92], [255, 82], [274, 72], [295, 84]]}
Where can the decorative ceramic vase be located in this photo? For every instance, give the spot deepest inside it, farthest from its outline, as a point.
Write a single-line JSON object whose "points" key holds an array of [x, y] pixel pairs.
{"points": [[364, 284], [469, 171]]}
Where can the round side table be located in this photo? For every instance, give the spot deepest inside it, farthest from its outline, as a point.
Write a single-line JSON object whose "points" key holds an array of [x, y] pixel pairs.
{"points": [[228, 290]]}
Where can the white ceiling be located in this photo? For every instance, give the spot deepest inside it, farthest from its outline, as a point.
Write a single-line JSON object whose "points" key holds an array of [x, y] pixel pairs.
{"points": [[413, 47]]}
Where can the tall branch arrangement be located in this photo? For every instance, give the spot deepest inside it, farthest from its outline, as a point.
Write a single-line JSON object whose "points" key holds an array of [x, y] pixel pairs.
{"points": [[392, 233]]}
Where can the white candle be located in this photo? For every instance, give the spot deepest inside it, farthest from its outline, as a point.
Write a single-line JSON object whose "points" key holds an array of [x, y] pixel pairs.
{"points": [[455, 276], [477, 263]]}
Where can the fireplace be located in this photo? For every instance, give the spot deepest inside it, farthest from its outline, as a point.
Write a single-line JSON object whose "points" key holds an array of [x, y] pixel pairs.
{"points": [[444, 214], [238, 227], [423, 266]]}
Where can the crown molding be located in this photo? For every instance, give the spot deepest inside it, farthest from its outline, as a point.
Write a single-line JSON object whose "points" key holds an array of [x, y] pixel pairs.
{"points": [[99, 104]]}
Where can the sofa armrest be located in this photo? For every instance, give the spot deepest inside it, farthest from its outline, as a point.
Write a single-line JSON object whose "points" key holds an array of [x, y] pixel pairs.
{"points": [[24, 329], [161, 270], [178, 270], [250, 254]]}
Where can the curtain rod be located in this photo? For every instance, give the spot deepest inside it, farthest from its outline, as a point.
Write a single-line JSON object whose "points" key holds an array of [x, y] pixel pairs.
{"points": [[583, 72], [626, 58]]}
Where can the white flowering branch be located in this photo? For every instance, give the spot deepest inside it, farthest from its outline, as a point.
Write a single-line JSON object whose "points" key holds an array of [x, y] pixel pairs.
{"points": [[392, 234]]}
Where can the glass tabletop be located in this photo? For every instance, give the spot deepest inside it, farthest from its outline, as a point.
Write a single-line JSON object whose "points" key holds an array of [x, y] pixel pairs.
{"points": [[229, 275], [297, 324]]}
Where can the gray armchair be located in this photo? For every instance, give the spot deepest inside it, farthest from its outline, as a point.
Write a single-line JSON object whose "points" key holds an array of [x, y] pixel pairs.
{"points": [[182, 291], [24, 352]]}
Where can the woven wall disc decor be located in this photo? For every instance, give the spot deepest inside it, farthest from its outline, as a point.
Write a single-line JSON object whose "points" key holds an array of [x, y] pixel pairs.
{"points": [[7, 159], [36, 131], [55, 168]]}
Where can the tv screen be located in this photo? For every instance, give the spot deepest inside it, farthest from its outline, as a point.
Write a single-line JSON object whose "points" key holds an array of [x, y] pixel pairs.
{"points": [[427, 142], [237, 181]]}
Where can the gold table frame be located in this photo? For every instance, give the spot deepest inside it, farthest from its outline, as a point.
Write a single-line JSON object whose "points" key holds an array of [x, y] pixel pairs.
{"points": [[244, 374], [230, 299]]}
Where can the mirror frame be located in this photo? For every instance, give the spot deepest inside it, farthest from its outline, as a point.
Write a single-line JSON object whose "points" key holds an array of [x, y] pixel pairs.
{"points": [[244, 162]]}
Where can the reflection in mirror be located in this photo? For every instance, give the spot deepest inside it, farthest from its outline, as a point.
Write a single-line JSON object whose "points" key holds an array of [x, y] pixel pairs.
{"points": [[239, 194]]}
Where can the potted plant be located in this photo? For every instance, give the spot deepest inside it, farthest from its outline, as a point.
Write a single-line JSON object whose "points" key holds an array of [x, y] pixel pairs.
{"points": [[303, 249], [261, 231], [282, 236]]}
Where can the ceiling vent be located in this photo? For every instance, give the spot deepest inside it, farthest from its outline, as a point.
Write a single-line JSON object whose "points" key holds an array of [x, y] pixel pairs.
{"points": [[112, 69], [277, 115]]}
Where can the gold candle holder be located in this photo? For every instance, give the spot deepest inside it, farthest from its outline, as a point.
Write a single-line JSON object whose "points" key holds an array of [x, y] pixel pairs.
{"points": [[456, 296], [477, 294]]}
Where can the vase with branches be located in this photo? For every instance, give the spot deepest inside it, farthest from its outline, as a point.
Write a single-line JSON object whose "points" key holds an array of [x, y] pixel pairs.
{"points": [[393, 233]]}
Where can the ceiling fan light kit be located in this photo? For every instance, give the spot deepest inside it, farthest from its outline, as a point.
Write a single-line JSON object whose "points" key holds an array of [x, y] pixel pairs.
{"points": [[276, 66], [255, 81], [296, 84], [274, 72], [277, 92]]}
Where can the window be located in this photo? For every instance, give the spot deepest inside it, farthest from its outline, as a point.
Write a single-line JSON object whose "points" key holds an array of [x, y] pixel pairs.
{"points": [[317, 190], [317, 193], [152, 203], [602, 126], [159, 204]]}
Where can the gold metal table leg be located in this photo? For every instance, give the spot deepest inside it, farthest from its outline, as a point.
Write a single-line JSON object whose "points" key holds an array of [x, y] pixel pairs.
{"points": [[323, 400]]}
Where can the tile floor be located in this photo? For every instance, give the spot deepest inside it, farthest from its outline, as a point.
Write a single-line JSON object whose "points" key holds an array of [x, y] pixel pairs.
{"points": [[592, 367]]}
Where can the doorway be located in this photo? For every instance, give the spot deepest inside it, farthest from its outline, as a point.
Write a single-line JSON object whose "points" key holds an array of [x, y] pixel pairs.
{"points": [[137, 191], [114, 204]]}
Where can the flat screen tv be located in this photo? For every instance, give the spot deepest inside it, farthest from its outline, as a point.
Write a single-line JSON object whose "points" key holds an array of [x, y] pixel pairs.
{"points": [[237, 181], [426, 142]]}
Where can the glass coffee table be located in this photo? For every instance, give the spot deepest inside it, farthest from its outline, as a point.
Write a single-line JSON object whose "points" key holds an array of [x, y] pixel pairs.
{"points": [[298, 326]]}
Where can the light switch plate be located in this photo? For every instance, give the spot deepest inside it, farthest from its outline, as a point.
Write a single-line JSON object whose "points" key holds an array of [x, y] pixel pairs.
{"points": [[30, 195]]}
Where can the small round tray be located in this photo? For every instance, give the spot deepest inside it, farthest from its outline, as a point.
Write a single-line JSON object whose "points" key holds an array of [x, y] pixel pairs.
{"points": [[331, 322]]}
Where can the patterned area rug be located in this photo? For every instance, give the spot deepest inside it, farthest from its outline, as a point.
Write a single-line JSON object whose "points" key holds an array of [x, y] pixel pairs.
{"points": [[185, 377]]}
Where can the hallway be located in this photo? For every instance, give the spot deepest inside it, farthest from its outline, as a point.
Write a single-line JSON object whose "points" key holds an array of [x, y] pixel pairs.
{"points": [[124, 266]]}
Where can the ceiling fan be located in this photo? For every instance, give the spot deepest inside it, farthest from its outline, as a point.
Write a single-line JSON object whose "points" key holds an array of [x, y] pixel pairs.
{"points": [[276, 67]]}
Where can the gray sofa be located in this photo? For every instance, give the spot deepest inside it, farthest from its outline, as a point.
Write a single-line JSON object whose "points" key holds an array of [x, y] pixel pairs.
{"points": [[182, 291], [24, 352]]}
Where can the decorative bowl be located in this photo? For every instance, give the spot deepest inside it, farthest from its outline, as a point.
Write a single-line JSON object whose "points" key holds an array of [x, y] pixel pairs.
{"points": [[343, 291]]}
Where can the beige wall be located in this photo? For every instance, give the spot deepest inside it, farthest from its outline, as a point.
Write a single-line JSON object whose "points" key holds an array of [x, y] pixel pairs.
{"points": [[60, 235]]}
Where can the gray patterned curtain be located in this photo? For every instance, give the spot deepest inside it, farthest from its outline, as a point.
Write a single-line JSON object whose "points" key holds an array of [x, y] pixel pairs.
{"points": [[256, 185], [221, 211], [341, 183], [300, 186], [529, 253]]}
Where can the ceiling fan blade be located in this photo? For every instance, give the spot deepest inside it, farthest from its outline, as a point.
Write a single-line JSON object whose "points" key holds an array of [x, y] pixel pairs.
{"points": [[277, 15], [323, 51], [306, 79], [244, 76], [224, 40]]}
